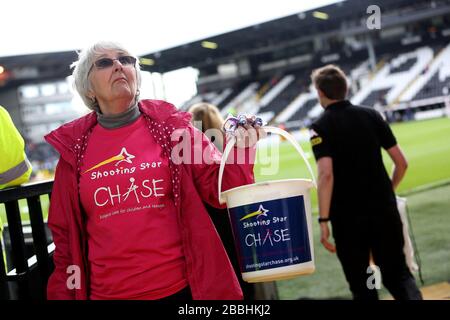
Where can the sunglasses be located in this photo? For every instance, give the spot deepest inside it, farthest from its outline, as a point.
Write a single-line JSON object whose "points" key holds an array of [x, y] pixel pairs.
{"points": [[104, 63]]}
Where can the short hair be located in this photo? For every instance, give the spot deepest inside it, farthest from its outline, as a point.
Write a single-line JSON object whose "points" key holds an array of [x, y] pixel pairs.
{"points": [[84, 64], [331, 80]]}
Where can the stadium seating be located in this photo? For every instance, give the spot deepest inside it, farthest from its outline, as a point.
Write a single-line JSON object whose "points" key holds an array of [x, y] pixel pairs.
{"points": [[375, 97], [302, 112], [403, 74], [403, 65], [434, 79]]}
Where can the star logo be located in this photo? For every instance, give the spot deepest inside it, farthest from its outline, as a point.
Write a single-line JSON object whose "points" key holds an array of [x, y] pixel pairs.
{"points": [[125, 156], [122, 156], [261, 212]]}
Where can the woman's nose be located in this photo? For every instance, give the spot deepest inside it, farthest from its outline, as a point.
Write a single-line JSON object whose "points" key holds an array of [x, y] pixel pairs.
{"points": [[117, 65]]}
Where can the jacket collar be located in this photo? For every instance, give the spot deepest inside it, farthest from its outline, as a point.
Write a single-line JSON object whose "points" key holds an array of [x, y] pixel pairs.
{"points": [[64, 138]]}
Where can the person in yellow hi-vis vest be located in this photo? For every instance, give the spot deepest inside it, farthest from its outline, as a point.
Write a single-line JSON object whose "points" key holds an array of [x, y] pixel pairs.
{"points": [[15, 168]]}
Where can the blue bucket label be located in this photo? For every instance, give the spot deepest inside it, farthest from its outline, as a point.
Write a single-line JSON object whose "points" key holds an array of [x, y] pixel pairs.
{"points": [[271, 234]]}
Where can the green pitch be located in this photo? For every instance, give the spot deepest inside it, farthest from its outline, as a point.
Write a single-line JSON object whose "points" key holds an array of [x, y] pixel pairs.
{"points": [[426, 145]]}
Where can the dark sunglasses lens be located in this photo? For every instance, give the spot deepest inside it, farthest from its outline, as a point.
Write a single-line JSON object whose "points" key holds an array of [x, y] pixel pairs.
{"points": [[127, 60], [103, 63]]}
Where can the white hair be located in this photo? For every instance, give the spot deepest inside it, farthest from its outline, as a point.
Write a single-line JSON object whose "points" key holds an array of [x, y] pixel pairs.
{"points": [[84, 64]]}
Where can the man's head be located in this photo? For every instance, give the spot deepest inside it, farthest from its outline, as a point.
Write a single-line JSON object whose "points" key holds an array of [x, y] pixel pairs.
{"points": [[330, 83]]}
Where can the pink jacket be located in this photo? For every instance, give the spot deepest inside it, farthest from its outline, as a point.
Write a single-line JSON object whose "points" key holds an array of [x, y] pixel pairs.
{"points": [[209, 272]]}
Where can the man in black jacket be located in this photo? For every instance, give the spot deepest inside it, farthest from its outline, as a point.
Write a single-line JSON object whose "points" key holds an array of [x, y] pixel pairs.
{"points": [[355, 191]]}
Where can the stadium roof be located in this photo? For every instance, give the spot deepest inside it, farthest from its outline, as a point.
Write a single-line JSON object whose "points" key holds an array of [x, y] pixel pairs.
{"points": [[18, 70], [256, 40], [264, 37]]}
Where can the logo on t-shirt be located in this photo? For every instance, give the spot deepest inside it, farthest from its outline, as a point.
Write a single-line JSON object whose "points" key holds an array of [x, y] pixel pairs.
{"points": [[125, 180], [122, 156]]}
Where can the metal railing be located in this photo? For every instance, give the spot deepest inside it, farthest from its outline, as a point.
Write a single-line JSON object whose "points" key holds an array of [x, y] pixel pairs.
{"points": [[28, 279]]}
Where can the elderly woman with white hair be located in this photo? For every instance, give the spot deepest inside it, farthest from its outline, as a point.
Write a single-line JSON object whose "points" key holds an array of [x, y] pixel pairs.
{"points": [[127, 218]]}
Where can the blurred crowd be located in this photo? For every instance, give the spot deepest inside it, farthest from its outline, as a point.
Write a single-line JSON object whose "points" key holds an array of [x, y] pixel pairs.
{"points": [[43, 159]]}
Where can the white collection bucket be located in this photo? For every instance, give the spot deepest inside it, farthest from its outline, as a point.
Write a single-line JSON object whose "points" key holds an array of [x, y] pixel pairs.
{"points": [[271, 223]]}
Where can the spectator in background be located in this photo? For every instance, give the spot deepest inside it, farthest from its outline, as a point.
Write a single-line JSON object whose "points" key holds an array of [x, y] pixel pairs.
{"points": [[390, 114], [207, 116], [15, 168], [409, 113], [355, 192]]}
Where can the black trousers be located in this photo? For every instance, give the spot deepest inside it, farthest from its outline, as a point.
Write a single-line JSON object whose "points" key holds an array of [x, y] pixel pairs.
{"points": [[379, 234]]}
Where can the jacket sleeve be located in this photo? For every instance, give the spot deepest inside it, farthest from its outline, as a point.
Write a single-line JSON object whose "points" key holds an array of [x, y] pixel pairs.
{"points": [[57, 288], [205, 163]]}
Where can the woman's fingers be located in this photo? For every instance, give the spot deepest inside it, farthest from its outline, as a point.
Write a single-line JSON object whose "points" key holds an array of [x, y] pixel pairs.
{"points": [[261, 132], [248, 134]]}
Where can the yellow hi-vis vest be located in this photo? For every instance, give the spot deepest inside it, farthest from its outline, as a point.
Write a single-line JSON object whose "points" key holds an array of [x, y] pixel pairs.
{"points": [[15, 168]]}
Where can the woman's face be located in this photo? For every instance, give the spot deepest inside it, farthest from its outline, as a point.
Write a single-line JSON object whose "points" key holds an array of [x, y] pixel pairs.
{"points": [[114, 84]]}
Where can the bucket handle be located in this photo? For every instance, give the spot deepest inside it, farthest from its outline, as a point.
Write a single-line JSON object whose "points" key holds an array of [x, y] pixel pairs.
{"points": [[276, 130]]}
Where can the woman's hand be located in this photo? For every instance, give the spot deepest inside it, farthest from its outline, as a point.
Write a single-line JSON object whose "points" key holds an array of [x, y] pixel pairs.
{"points": [[248, 135]]}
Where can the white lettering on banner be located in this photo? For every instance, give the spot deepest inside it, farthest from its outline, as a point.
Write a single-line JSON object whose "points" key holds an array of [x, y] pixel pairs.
{"points": [[275, 220], [279, 219], [198, 150], [262, 264], [255, 239], [256, 223], [104, 195]]}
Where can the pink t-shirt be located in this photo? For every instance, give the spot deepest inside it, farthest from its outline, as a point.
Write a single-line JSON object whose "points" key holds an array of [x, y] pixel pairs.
{"points": [[134, 240]]}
